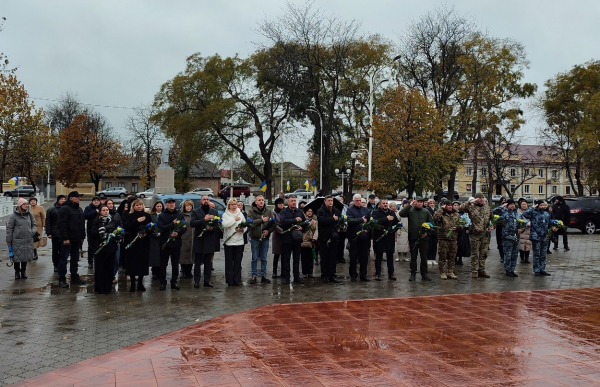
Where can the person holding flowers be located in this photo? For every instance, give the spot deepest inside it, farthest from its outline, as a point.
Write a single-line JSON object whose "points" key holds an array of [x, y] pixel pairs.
{"points": [[154, 257], [308, 247], [449, 223], [138, 252], [383, 239], [524, 243], [513, 226], [186, 257], [292, 221], [260, 231], [540, 219], [105, 249], [172, 226], [206, 221], [479, 213], [360, 239], [234, 243], [417, 241], [329, 227]]}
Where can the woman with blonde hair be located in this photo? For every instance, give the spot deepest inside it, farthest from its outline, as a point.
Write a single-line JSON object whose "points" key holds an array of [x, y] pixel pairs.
{"points": [[234, 245], [186, 257], [138, 255]]}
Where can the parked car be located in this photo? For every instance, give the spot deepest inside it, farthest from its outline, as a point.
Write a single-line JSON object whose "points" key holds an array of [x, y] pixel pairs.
{"points": [[585, 213], [146, 194], [445, 194], [201, 191], [496, 198], [180, 198], [120, 192], [300, 194], [22, 191], [238, 190]]}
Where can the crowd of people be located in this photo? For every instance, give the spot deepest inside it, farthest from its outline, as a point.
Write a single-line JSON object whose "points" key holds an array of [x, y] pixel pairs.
{"points": [[142, 243]]}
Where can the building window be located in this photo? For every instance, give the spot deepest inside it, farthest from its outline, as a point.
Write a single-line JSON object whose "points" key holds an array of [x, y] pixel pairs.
{"points": [[468, 187], [541, 189], [107, 185], [469, 171], [483, 171], [554, 174], [568, 190], [134, 187], [122, 185], [484, 188], [526, 171], [554, 190], [513, 188], [526, 189], [540, 172], [513, 172]]}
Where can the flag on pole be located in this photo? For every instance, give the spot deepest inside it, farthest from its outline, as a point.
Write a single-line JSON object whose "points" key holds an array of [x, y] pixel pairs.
{"points": [[263, 186], [288, 186], [314, 182], [306, 185]]}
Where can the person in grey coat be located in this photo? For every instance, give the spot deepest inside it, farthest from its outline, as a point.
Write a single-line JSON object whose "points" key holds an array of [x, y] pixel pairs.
{"points": [[20, 229]]}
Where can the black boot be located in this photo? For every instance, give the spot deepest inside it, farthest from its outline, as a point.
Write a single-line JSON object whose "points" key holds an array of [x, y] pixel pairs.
{"points": [[23, 275], [140, 285], [17, 274], [132, 288]]}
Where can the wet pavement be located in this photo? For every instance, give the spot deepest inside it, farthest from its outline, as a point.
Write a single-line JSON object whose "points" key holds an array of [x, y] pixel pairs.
{"points": [[540, 338], [43, 328]]}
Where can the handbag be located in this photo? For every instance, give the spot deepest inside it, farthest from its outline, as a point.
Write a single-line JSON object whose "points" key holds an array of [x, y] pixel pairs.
{"points": [[43, 242], [36, 237]]}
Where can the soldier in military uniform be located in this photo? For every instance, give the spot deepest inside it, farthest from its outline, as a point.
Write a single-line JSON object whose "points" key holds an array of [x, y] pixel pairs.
{"points": [[446, 218], [479, 212]]}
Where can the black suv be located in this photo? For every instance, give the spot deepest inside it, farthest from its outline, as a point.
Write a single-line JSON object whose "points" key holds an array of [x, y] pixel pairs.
{"points": [[585, 213], [22, 191]]}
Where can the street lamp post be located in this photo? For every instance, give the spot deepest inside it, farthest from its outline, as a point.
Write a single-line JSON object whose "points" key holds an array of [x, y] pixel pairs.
{"points": [[342, 176], [371, 81], [321, 146]]}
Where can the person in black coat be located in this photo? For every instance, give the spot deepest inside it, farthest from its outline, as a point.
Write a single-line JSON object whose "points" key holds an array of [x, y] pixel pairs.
{"points": [[117, 217], [90, 213], [463, 241], [291, 240], [154, 258], [327, 219], [102, 226], [204, 247], [432, 239], [387, 218], [138, 255], [360, 242], [499, 230], [71, 231], [561, 211], [166, 223], [52, 229]]}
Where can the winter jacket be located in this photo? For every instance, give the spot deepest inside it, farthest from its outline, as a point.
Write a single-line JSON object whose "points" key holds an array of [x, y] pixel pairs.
{"points": [[230, 226], [355, 221], [166, 226], [402, 237], [256, 215], [525, 243], [206, 244], [416, 217], [71, 224], [539, 223], [276, 242], [479, 215], [510, 219], [562, 211], [52, 220], [19, 232], [90, 213], [154, 253], [138, 255], [327, 224], [432, 212], [186, 256], [381, 216], [110, 225], [446, 221], [287, 218], [40, 219], [310, 234]]}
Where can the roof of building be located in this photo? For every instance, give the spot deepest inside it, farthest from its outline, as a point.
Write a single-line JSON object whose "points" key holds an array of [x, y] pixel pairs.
{"points": [[532, 154]]}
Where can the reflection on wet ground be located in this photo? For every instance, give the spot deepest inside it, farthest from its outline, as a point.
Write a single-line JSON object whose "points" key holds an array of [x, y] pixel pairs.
{"points": [[545, 338]]}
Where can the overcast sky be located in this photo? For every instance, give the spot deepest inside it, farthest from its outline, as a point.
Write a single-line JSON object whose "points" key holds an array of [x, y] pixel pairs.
{"points": [[119, 52]]}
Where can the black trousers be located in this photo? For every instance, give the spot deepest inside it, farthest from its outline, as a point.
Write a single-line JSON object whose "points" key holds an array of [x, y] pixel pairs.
{"points": [[341, 246], [20, 266], [389, 252], [432, 244], [233, 264], [563, 232], [307, 260], [275, 263], [92, 241], [164, 262], [287, 250], [56, 244], [359, 253], [71, 250], [202, 259], [329, 258], [415, 250], [103, 271]]}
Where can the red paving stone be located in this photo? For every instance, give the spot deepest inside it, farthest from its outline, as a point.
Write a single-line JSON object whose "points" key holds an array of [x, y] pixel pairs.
{"points": [[539, 338]]}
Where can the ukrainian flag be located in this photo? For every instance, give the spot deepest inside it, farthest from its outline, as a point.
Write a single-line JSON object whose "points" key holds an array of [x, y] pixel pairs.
{"points": [[263, 186]]}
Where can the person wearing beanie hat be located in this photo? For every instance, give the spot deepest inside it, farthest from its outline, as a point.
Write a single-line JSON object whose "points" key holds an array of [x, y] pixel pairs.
{"points": [[561, 211], [510, 235], [540, 219], [276, 240], [479, 213], [52, 229], [19, 231], [71, 231]]}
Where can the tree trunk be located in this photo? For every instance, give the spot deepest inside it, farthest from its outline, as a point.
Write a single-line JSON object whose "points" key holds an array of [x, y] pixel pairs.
{"points": [[475, 173], [451, 182], [268, 170]]}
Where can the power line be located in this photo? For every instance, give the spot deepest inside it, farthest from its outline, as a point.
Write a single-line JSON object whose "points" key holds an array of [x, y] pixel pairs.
{"points": [[89, 104]]}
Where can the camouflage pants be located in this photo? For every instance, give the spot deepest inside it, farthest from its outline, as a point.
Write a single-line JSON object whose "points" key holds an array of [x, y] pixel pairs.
{"points": [[446, 254], [479, 250], [539, 255]]}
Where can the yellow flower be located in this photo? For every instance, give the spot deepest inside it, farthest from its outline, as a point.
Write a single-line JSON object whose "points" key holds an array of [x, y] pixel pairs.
{"points": [[560, 222], [425, 225], [496, 216]]}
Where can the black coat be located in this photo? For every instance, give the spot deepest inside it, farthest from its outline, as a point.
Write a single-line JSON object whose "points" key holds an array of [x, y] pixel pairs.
{"points": [[206, 244], [109, 226], [287, 218], [138, 255], [381, 216], [90, 213], [354, 224], [166, 226], [560, 211], [71, 224], [154, 255], [52, 220], [326, 224]]}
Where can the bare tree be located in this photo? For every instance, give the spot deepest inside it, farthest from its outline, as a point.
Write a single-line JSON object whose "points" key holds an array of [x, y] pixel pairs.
{"points": [[144, 143], [61, 114]]}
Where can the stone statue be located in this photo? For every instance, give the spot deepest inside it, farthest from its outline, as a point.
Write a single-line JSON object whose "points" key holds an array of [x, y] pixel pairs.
{"points": [[164, 158]]}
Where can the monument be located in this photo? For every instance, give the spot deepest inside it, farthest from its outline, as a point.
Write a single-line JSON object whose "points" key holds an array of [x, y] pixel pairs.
{"points": [[164, 183]]}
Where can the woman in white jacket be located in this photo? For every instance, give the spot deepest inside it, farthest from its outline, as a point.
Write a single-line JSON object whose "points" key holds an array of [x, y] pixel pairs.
{"points": [[234, 246]]}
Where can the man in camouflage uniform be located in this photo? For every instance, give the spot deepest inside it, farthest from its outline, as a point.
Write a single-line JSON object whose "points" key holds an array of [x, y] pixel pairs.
{"points": [[479, 212], [445, 219]]}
